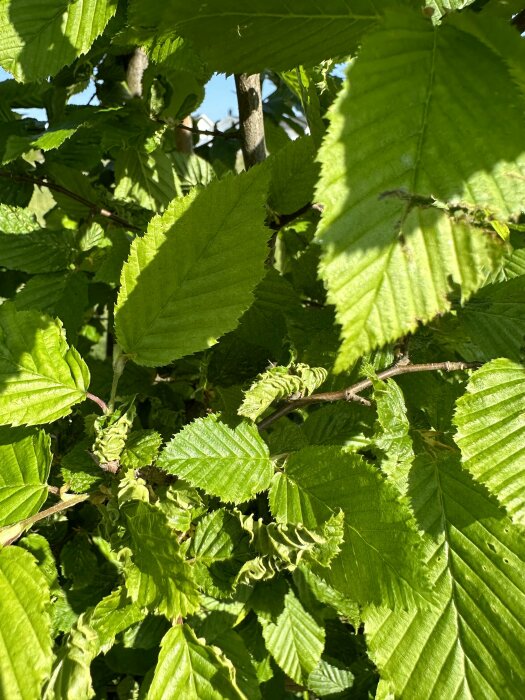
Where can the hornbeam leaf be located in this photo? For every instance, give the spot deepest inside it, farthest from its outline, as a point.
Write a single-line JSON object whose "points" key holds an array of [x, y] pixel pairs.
{"points": [[277, 383], [234, 464], [189, 668], [25, 640], [295, 640], [37, 251], [249, 37], [41, 378], [157, 576], [39, 38], [470, 641], [25, 459], [93, 633], [390, 257], [381, 555], [491, 432], [189, 279]]}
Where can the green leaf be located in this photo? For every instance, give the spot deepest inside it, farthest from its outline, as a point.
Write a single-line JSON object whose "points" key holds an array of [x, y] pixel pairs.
{"points": [[25, 641], [255, 36], [493, 320], [232, 464], [491, 432], [381, 556], [390, 257], [145, 178], [25, 456], [279, 383], [327, 679], [141, 449], [60, 295], [392, 438], [294, 174], [219, 546], [188, 668], [469, 642], [17, 219], [37, 251], [41, 378], [295, 640], [39, 38], [93, 633], [188, 280], [157, 576]]}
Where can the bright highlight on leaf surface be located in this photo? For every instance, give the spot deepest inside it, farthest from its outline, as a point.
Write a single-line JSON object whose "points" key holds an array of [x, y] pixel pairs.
{"points": [[41, 378], [39, 38], [461, 645], [189, 668], [491, 432], [391, 258], [25, 636], [25, 459], [231, 464], [189, 279]]}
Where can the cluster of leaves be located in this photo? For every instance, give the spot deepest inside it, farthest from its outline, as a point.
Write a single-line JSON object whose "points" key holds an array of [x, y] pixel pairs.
{"points": [[156, 541]]}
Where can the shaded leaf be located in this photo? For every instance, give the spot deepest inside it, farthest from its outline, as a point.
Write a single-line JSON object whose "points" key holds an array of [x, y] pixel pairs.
{"points": [[491, 432]]}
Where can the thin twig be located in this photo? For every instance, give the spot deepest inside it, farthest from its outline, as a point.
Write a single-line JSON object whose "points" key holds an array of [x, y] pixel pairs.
{"points": [[11, 533], [96, 399], [207, 132], [55, 187], [351, 393]]}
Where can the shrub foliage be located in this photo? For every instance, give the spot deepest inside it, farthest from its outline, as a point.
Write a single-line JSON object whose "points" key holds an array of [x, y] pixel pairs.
{"points": [[262, 431]]}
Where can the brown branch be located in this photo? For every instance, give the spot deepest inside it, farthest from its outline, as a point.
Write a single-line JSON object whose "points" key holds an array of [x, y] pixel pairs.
{"points": [[183, 137], [55, 187], [206, 132], [351, 393], [138, 63], [251, 120]]}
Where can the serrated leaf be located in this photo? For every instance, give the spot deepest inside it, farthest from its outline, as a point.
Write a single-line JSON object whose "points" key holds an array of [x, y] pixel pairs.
{"points": [[391, 258], [491, 432], [25, 459], [17, 219], [79, 470], [188, 280], [327, 679], [253, 37], [295, 640], [145, 178], [381, 556], [141, 449], [41, 378], [93, 633], [39, 38], [37, 251], [234, 464], [278, 383], [63, 296], [392, 437], [157, 576], [25, 642], [493, 320], [469, 642], [188, 668], [294, 174]]}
